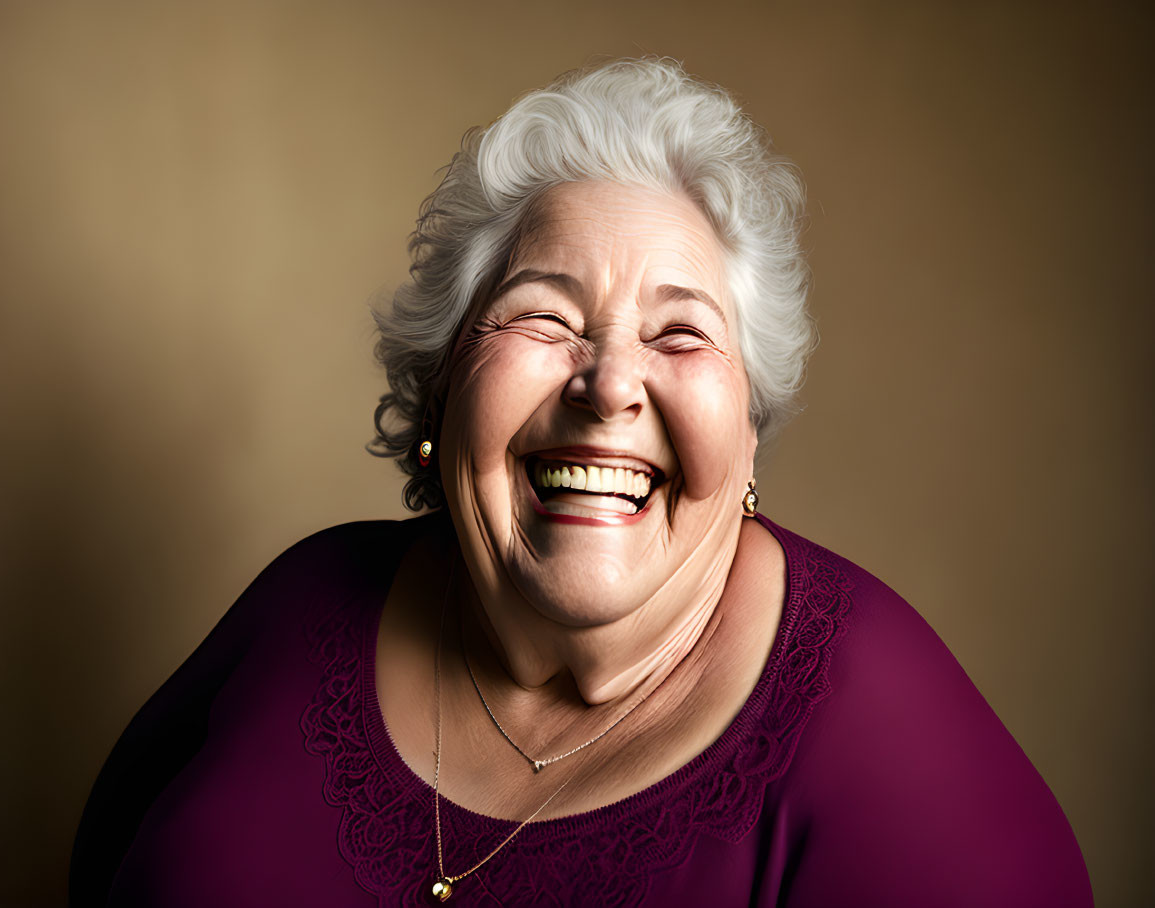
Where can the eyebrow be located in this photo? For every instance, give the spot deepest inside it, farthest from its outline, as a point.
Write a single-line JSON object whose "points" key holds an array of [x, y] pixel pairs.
{"points": [[572, 288], [672, 292], [566, 283]]}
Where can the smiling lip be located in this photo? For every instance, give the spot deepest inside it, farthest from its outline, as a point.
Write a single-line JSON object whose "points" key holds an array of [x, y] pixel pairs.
{"points": [[610, 518], [598, 457]]}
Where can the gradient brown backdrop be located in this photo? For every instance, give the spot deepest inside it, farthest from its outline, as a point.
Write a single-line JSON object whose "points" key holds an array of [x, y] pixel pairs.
{"points": [[197, 199]]}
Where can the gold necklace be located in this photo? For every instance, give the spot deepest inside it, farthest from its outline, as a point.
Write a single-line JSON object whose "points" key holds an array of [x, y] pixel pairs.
{"points": [[443, 885], [539, 765]]}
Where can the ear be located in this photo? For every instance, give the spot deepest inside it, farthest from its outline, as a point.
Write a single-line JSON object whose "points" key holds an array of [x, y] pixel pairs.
{"points": [[751, 443]]}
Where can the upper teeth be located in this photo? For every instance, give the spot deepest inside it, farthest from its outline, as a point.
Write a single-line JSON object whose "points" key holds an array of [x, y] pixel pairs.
{"points": [[606, 480]]}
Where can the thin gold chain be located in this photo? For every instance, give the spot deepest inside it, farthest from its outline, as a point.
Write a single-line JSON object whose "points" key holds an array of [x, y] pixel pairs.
{"points": [[437, 771], [539, 765]]}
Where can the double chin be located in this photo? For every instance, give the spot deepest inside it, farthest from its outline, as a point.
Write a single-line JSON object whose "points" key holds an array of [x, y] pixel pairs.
{"points": [[610, 644]]}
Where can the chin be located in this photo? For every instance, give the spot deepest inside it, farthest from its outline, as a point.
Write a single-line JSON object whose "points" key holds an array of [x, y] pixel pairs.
{"points": [[581, 590]]}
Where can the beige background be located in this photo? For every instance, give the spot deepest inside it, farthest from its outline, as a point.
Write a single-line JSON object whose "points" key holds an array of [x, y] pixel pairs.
{"points": [[197, 199]]}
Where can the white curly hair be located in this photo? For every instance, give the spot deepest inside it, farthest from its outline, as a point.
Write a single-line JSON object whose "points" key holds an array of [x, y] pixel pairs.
{"points": [[642, 122]]}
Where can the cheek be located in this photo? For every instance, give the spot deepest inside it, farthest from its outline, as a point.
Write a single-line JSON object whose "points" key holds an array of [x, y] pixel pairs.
{"points": [[489, 399], [705, 406]]}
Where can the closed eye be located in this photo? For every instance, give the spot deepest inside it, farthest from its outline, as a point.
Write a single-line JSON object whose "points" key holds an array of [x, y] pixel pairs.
{"points": [[547, 316], [684, 330]]}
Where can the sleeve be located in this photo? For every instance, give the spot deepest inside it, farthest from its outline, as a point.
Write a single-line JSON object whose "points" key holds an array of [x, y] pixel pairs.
{"points": [[171, 727], [908, 790]]}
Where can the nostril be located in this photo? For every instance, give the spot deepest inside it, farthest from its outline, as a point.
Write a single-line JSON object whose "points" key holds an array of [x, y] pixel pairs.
{"points": [[576, 393], [610, 385]]}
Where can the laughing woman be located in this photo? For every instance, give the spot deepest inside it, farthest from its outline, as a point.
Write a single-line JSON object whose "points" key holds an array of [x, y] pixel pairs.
{"points": [[593, 673]]}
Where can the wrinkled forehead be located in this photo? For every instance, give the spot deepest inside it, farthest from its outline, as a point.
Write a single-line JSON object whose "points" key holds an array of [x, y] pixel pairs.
{"points": [[590, 227]]}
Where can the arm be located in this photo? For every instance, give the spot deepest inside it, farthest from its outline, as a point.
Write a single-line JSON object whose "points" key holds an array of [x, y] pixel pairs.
{"points": [[161, 738], [908, 790], [171, 727]]}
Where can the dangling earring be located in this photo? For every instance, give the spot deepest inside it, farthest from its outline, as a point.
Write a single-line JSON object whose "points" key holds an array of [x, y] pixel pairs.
{"points": [[425, 448], [750, 500]]}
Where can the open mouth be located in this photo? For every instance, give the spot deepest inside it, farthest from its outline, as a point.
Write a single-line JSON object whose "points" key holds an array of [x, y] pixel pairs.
{"points": [[573, 488]]}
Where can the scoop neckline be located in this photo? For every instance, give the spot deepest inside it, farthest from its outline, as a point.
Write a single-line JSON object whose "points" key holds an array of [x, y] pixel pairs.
{"points": [[389, 761]]}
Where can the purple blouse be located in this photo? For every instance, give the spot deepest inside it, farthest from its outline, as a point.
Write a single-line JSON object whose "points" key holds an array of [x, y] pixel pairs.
{"points": [[865, 769]]}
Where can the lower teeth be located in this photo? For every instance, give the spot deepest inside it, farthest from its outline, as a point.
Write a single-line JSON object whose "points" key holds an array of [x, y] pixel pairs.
{"points": [[567, 504]]}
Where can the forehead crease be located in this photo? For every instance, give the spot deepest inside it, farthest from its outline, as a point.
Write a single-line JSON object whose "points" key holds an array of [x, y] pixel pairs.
{"points": [[555, 250], [615, 237], [617, 251]]}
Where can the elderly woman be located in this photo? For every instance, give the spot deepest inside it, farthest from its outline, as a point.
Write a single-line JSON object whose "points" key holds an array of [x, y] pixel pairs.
{"points": [[593, 674]]}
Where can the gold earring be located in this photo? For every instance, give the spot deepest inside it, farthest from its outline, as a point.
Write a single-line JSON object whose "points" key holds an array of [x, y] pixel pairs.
{"points": [[425, 448], [750, 500]]}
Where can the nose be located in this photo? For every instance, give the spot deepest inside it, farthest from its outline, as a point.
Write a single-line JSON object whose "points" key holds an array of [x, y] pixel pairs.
{"points": [[611, 383]]}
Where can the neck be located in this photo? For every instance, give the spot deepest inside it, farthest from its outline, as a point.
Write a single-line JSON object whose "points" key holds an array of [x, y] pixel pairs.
{"points": [[606, 664]]}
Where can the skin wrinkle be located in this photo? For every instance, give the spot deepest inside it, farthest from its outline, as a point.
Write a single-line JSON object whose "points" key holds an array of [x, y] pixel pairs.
{"points": [[613, 372], [694, 659], [481, 772], [568, 285]]}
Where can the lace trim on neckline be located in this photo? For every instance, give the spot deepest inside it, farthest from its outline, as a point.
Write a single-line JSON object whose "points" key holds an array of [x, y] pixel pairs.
{"points": [[605, 856]]}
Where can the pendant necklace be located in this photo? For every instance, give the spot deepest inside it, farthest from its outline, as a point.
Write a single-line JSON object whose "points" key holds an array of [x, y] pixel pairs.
{"points": [[443, 885]]}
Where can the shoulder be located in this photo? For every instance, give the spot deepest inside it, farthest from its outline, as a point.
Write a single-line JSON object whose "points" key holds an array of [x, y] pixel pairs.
{"points": [[346, 555], [324, 571], [328, 568], [347, 545], [885, 660], [906, 775]]}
